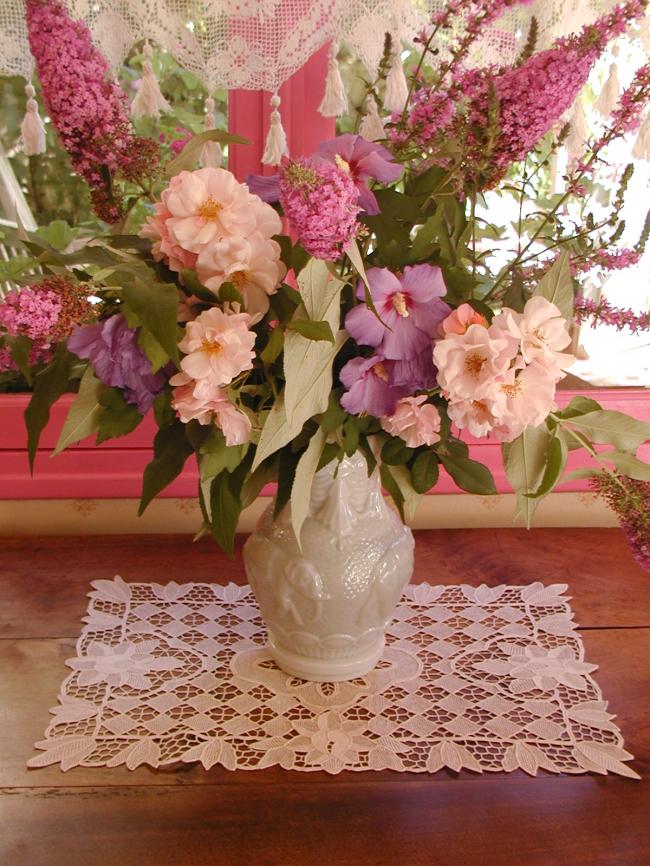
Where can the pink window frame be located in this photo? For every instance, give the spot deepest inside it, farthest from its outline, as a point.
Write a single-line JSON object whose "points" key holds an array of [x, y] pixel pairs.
{"points": [[114, 470]]}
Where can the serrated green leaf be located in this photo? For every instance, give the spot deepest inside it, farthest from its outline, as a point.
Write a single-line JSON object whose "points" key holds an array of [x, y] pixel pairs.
{"points": [[117, 417], [425, 471], [82, 419], [155, 304], [392, 487], [608, 427], [319, 331], [557, 286], [524, 462], [228, 293], [274, 347], [469, 475], [216, 456], [395, 452], [627, 464], [225, 508], [189, 156], [19, 349], [556, 457], [301, 489], [49, 385], [410, 496], [579, 406], [157, 356], [171, 450]]}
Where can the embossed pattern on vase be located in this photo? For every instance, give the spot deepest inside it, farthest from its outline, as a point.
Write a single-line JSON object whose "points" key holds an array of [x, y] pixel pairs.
{"points": [[333, 598]]}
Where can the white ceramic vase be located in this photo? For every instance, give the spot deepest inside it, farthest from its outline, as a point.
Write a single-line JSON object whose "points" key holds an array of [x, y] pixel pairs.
{"points": [[327, 606]]}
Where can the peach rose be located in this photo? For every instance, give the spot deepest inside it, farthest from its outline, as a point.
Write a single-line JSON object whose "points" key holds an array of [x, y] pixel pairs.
{"points": [[217, 346], [415, 423], [460, 319]]}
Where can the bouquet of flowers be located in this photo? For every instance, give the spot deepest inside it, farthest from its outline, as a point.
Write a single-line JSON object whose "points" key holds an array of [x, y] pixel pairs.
{"points": [[360, 299]]}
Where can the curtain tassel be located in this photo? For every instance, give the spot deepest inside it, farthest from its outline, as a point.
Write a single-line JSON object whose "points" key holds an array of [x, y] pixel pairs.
{"points": [[608, 96], [642, 144], [372, 128], [276, 140], [149, 101], [578, 134], [211, 154], [335, 100], [397, 89], [32, 128]]}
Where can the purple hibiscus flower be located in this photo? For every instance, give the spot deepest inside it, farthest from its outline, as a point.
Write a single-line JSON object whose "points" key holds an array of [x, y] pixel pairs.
{"points": [[410, 306], [112, 348], [364, 160], [370, 388]]}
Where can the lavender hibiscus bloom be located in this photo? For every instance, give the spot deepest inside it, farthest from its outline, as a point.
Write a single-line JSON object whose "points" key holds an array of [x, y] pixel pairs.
{"points": [[368, 381], [363, 160], [410, 306], [112, 348]]}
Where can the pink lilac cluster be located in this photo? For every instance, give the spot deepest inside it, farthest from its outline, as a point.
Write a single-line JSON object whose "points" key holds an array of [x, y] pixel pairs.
{"points": [[501, 378], [208, 221], [618, 260], [45, 312], [87, 106], [428, 115], [630, 501], [218, 347], [408, 312], [603, 313], [320, 201], [532, 96]]}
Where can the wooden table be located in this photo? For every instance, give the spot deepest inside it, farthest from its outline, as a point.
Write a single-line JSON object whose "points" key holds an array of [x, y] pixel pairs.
{"points": [[189, 817]]}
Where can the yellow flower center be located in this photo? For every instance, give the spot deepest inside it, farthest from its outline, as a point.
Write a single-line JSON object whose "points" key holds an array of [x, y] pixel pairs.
{"points": [[210, 209], [474, 363], [210, 347], [380, 371], [399, 304], [238, 279], [341, 163], [540, 333], [512, 390]]}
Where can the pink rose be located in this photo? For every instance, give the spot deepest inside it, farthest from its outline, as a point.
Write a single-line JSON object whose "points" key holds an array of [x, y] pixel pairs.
{"points": [[470, 363], [217, 346], [415, 423], [198, 400], [460, 319]]}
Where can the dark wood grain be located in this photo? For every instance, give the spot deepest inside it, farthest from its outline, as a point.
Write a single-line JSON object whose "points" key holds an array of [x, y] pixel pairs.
{"points": [[43, 582], [185, 816]]}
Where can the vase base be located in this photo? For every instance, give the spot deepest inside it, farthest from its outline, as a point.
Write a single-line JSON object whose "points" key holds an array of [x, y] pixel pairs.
{"points": [[327, 670]]}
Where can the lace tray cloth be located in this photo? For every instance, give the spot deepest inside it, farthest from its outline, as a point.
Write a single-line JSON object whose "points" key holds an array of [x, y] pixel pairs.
{"points": [[487, 679]]}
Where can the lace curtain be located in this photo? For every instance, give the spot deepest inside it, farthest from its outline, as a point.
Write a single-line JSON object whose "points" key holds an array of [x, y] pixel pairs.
{"points": [[259, 44]]}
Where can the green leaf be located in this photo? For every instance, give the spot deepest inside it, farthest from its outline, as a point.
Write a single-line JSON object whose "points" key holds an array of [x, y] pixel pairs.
{"points": [[410, 496], [557, 286], [287, 464], [392, 487], [301, 489], [331, 451], [19, 349], [334, 415], [117, 418], [225, 508], [612, 428], [157, 356], [579, 406], [395, 452], [425, 471], [556, 457], [274, 347], [155, 304], [469, 475], [524, 461], [193, 286], [83, 416], [189, 156], [255, 481], [354, 254], [350, 436], [579, 474], [163, 412], [49, 385], [228, 293], [171, 449], [628, 464], [312, 330], [216, 456], [57, 234]]}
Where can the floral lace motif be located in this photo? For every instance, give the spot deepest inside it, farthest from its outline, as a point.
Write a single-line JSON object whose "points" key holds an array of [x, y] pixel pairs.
{"points": [[487, 679]]}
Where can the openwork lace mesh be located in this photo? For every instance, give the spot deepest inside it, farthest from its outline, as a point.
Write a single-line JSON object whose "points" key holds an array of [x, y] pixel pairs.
{"points": [[487, 679], [258, 44]]}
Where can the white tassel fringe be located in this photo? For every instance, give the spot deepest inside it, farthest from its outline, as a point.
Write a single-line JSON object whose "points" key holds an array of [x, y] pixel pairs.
{"points": [[578, 135], [335, 99], [32, 128], [372, 128], [276, 140], [608, 97], [149, 101], [211, 154], [642, 144], [397, 89]]}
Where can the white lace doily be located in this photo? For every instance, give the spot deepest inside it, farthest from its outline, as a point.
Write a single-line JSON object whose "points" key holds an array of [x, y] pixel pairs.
{"points": [[487, 679], [258, 44]]}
